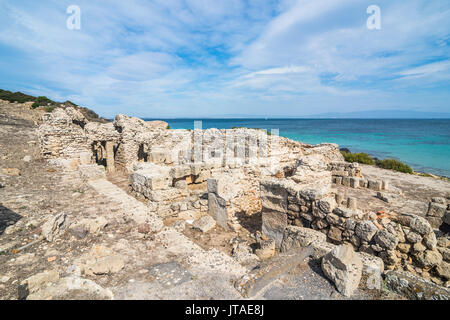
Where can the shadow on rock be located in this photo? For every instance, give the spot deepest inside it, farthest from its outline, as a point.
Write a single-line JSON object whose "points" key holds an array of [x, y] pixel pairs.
{"points": [[7, 218]]}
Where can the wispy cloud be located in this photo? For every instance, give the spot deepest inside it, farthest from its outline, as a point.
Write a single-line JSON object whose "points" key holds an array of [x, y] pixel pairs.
{"points": [[201, 58]]}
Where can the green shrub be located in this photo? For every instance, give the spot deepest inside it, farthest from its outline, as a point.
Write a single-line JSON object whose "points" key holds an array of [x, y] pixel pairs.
{"points": [[168, 127], [42, 100], [358, 157], [35, 105], [50, 108], [15, 96], [394, 165]]}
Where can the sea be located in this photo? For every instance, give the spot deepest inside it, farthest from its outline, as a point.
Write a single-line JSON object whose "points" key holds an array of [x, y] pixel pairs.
{"points": [[424, 144]]}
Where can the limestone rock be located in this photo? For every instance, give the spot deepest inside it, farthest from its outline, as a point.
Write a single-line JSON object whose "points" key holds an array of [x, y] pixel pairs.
{"points": [[243, 253], [344, 268], [298, 237], [430, 241], [413, 237], [445, 252], [37, 281], [107, 265], [436, 209], [429, 258], [204, 224], [273, 225], [444, 270], [217, 209], [386, 239], [266, 249], [55, 226], [366, 230], [79, 232]]}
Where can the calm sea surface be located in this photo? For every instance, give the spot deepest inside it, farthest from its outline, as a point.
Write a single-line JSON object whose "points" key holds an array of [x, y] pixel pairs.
{"points": [[423, 144]]}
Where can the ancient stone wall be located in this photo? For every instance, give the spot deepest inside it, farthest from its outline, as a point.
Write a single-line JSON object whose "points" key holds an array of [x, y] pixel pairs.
{"points": [[402, 240]]}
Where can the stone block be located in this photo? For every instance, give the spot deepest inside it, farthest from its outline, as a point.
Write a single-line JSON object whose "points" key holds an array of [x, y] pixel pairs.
{"points": [[344, 267], [218, 210], [299, 237], [436, 209], [270, 270], [273, 225]]}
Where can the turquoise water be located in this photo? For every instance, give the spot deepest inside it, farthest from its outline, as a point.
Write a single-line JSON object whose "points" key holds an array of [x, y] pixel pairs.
{"points": [[423, 144]]}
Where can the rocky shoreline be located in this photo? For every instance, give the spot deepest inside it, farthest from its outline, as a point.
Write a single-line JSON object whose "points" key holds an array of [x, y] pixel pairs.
{"points": [[131, 209]]}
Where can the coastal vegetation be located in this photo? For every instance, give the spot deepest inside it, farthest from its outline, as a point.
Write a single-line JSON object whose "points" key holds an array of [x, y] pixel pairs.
{"points": [[364, 158], [394, 165], [47, 104]]}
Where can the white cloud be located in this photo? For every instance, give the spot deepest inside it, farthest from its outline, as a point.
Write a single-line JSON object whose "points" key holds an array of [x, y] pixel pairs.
{"points": [[181, 57]]}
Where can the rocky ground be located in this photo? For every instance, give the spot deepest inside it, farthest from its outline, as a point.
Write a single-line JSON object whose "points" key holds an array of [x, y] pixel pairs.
{"points": [[94, 249], [407, 193]]}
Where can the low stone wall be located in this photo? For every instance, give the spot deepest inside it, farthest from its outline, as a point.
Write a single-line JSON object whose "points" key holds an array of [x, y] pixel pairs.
{"points": [[438, 212], [399, 240], [350, 175]]}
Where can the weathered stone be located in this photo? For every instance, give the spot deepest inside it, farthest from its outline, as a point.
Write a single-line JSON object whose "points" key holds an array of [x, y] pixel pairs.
{"points": [[170, 274], [414, 287], [344, 212], [436, 209], [332, 219], [419, 247], [446, 218], [439, 200], [386, 239], [374, 185], [445, 252], [350, 224], [354, 182], [335, 234], [79, 232], [181, 171], [273, 225], [430, 241], [266, 249], [443, 270], [443, 242], [389, 257], [270, 270], [273, 197], [92, 172], [203, 176], [217, 209], [351, 204], [39, 280], [344, 268], [404, 247], [366, 230], [95, 225], [204, 224], [298, 237], [413, 237], [55, 226], [420, 225], [107, 265], [321, 223], [428, 258], [180, 184], [327, 205]]}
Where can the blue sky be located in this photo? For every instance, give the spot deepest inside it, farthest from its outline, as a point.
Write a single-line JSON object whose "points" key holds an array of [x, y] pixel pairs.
{"points": [[206, 58]]}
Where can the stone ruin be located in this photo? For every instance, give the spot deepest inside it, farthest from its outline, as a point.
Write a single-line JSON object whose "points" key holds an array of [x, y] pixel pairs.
{"points": [[227, 173]]}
